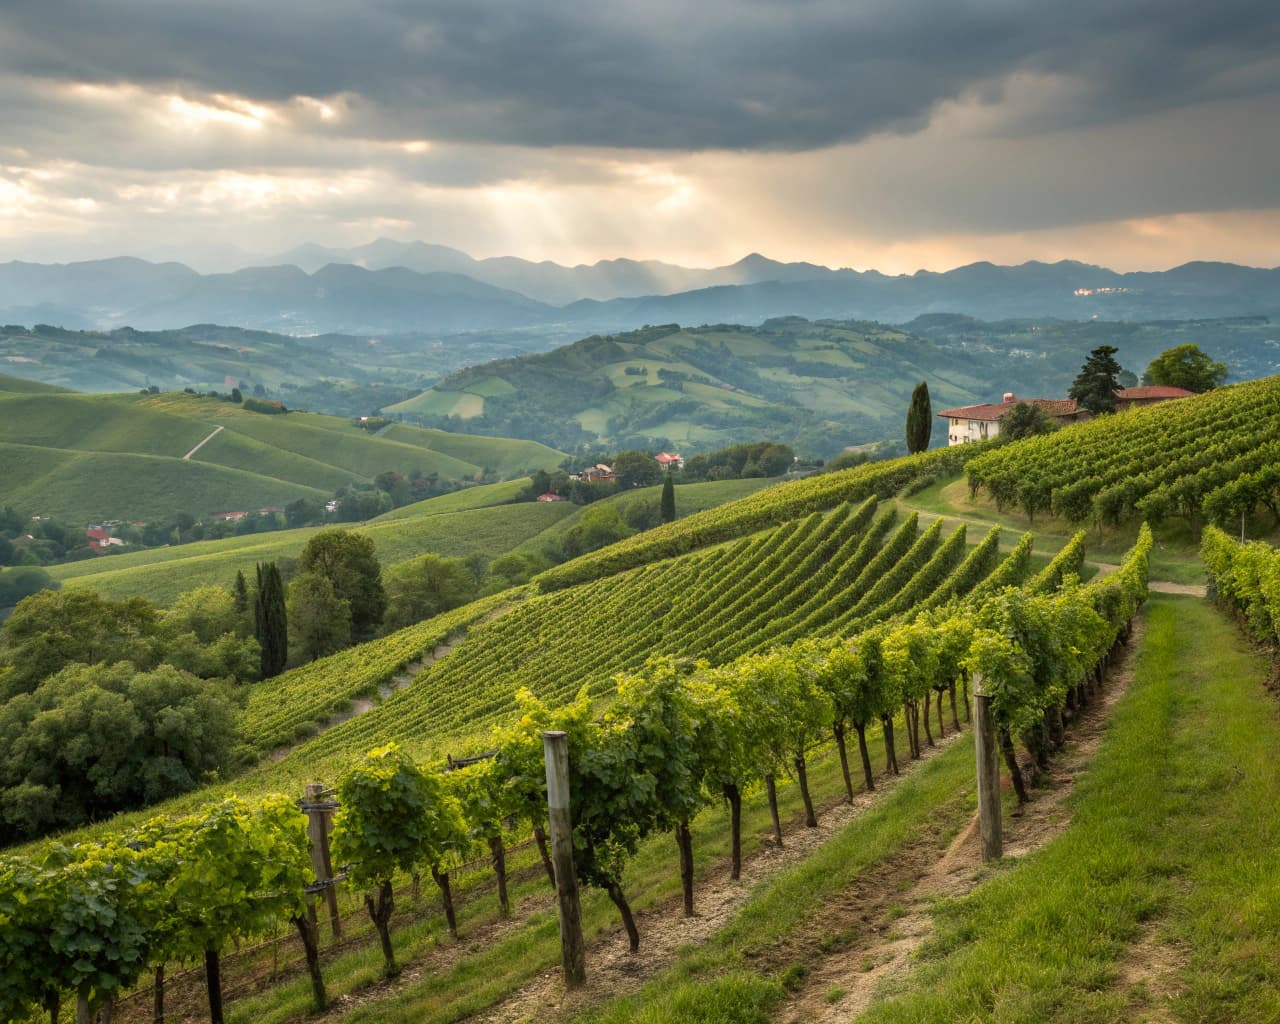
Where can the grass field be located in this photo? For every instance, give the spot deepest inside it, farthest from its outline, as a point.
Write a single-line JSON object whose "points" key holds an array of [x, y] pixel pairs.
{"points": [[19, 386], [164, 573], [82, 458]]}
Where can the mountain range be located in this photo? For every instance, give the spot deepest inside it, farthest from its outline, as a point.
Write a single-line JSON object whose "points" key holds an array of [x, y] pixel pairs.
{"points": [[392, 287]]}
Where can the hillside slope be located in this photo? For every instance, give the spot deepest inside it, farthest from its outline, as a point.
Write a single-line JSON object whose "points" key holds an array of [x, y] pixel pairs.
{"points": [[84, 457], [819, 385]]}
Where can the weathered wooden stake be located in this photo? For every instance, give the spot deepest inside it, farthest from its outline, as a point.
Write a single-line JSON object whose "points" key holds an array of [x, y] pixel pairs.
{"points": [[555, 746], [988, 773], [318, 832]]}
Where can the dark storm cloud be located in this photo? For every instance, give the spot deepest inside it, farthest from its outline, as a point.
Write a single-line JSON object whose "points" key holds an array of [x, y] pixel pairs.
{"points": [[667, 75]]}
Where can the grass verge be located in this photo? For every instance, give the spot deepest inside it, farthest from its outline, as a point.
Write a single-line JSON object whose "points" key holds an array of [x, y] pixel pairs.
{"points": [[1163, 897]]}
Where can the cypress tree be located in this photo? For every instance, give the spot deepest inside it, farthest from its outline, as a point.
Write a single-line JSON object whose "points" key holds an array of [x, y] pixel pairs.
{"points": [[668, 506], [919, 419], [241, 594], [270, 622]]}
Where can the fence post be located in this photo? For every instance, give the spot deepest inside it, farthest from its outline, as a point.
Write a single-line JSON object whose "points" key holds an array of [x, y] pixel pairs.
{"points": [[984, 733], [573, 951], [318, 811]]}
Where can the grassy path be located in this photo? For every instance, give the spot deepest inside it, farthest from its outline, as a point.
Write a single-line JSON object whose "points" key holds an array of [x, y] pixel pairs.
{"points": [[1161, 902]]}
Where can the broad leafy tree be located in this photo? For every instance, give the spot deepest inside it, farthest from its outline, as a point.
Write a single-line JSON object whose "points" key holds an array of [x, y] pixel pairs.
{"points": [[636, 469], [1026, 420], [1185, 366], [347, 559], [50, 630], [425, 586], [319, 620], [96, 739]]}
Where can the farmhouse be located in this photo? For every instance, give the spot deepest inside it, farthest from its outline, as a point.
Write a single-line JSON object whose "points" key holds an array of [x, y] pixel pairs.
{"points": [[670, 460], [982, 422], [1131, 398], [593, 473], [550, 496]]}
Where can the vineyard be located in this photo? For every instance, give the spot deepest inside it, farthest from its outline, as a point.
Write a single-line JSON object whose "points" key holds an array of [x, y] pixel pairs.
{"points": [[824, 575], [705, 663], [285, 709], [677, 737], [1247, 578], [1211, 458]]}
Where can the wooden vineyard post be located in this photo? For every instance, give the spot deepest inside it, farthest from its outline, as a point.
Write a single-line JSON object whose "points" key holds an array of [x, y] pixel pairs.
{"points": [[984, 733], [556, 751], [318, 811]]}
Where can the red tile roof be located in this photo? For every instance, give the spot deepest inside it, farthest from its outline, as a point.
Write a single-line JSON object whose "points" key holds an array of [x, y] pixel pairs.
{"points": [[994, 410], [1151, 391]]}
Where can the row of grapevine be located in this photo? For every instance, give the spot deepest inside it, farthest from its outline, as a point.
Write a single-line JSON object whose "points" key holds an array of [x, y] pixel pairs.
{"points": [[1212, 455], [1247, 578], [765, 508], [677, 738], [90, 920], [834, 574], [284, 709]]}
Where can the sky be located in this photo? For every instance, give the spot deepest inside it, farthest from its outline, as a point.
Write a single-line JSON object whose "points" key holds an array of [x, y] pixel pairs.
{"points": [[887, 134]]}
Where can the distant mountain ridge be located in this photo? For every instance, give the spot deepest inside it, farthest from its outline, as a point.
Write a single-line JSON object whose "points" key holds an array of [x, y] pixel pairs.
{"points": [[389, 287]]}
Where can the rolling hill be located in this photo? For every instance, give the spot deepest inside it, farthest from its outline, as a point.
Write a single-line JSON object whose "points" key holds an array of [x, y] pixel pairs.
{"points": [[819, 385], [476, 521], [85, 457], [343, 374]]}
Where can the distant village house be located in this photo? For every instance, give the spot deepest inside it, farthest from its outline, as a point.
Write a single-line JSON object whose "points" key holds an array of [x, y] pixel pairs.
{"points": [[594, 473], [670, 460]]}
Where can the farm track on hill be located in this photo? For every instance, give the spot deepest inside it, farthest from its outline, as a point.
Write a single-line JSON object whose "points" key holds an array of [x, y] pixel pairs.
{"points": [[216, 431]]}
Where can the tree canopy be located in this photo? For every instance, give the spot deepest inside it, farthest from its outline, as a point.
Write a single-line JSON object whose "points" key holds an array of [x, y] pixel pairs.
{"points": [[348, 561], [425, 586], [1026, 420], [95, 739], [1096, 384], [1185, 366]]}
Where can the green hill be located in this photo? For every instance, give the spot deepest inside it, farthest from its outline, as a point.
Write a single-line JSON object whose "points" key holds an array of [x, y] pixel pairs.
{"points": [[474, 521], [819, 386], [162, 574], [85, 457], [17, 385]]}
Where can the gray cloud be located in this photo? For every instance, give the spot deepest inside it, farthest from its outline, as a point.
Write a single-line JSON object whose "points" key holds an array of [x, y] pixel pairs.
{"points": [[720, 74]]}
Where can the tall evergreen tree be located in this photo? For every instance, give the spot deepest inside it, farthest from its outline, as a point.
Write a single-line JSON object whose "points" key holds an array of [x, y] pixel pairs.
{"points": [[1096, 384], [919, 419], [270, 620], [667, 507], [241, 593]]}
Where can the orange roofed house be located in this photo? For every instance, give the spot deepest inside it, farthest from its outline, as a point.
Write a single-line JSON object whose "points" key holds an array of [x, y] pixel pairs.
{"points": [[982, 422]]}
